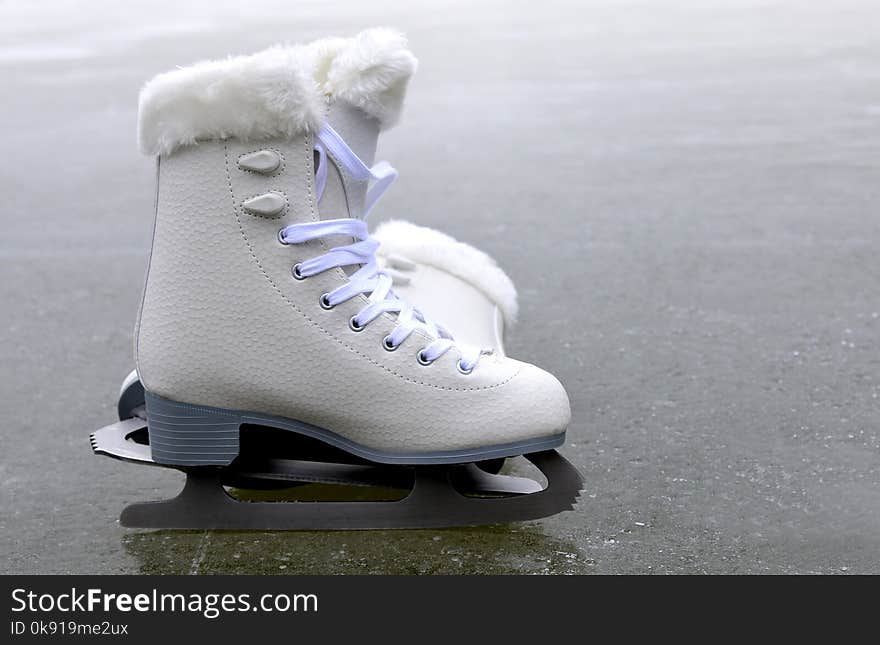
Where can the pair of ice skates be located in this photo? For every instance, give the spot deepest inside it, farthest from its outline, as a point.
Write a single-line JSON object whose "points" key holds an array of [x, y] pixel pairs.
{"points": [[271, 348]]}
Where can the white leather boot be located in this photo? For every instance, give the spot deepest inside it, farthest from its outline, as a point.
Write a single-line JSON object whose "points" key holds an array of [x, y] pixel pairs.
{"points": [[264, 302]]}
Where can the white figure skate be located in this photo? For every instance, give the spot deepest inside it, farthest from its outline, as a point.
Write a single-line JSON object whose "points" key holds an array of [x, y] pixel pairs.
{"points": [[232, 341]]}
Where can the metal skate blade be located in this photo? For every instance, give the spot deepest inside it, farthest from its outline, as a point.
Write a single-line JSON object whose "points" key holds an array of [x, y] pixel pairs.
{"points": [[468, 479], [433, 502], [286, 471], [471, 480], [116, 441], [433, 496]]}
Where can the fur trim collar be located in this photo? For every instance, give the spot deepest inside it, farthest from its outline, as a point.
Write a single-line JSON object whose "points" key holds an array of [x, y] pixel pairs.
{"points": [[279, 92], [428, 246]]}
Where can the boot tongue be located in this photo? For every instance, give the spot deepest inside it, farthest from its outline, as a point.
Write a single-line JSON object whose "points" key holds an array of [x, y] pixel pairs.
{"points": [[343, 194]]}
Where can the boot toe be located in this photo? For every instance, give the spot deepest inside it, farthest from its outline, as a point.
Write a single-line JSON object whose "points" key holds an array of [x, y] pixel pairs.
{"points": [[539, 404]]}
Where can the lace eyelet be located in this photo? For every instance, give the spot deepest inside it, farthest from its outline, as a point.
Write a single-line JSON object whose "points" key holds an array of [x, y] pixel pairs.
{"points": [[461, 368], [388, 345], [280, 237], [354, 325], [295, 271], [422, 359], [324, 300]]}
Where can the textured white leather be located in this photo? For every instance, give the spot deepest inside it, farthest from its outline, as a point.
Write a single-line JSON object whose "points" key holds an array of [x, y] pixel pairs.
{"points": [[224, 324]]}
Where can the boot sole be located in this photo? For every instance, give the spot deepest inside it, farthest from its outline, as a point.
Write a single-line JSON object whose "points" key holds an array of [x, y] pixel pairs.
{"points": [[196, 435]]}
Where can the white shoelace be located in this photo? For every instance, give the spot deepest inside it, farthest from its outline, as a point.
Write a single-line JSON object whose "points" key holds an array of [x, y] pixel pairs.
{"points": [[369, 279]]}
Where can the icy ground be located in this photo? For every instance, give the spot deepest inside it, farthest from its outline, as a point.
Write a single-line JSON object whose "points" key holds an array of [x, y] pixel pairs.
{"points": [[686, 194]]}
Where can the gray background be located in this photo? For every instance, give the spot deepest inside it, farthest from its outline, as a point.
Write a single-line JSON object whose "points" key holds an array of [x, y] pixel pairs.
{"points": [[684, 192]]}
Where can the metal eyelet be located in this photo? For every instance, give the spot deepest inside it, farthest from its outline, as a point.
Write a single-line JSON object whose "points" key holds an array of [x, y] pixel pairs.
{"points": [[325, 302], [280, 237], [354, 325], [422, 359], [296, 272], [461, 368], [388, 345]]}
